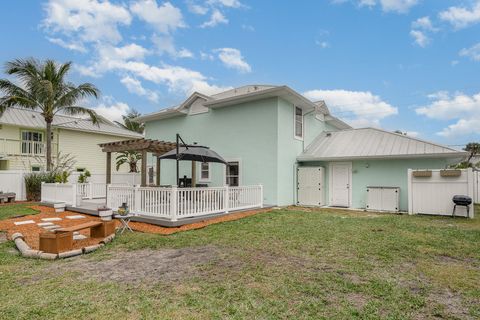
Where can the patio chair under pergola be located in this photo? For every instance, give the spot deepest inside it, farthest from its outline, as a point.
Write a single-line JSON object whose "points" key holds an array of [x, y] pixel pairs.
{"points": [[143, 146]]}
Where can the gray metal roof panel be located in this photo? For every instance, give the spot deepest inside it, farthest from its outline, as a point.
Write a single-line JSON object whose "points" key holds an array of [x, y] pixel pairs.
{"points": [[34, 119], [371, 143]]}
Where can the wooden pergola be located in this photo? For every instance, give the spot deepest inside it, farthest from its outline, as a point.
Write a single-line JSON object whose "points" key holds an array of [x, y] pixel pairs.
{"points": [[143, 146]]}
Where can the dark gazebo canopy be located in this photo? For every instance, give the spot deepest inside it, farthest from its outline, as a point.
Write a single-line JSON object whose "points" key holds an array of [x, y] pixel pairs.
{"points": [[194, 153]]}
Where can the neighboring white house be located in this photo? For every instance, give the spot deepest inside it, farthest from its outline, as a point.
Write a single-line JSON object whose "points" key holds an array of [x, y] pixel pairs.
{"points": [[23, 141]]}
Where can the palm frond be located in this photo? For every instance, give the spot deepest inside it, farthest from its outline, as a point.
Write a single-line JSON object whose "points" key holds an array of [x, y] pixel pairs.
{"points": [[76, 110]]}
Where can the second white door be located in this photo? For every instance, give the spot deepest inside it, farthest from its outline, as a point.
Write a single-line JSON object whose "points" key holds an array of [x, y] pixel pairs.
{"points": [[341, 176]]}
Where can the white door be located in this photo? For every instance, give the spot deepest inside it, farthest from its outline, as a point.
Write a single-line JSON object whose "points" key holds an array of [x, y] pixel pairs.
{"points": [[310, 186], [341, 174]]}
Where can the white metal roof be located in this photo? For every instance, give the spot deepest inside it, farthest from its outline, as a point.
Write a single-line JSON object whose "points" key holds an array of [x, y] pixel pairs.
{"points": [[242, 90], [246, 94], [372, 143], [34, 119]]}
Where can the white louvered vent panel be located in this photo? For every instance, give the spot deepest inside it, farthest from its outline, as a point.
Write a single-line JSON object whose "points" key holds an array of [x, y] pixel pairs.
{"points": [[383, 199]]}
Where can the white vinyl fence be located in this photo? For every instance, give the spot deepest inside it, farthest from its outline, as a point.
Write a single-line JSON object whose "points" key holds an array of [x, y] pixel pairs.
{"points": [[59, 192], [174, 203], [476, 182], [433, 194], [13, 181]]}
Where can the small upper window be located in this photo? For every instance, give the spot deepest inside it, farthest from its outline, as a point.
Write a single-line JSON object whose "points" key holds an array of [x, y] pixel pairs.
{"points": [[32, 142], [36, 168], [298, 123], [204, 171]]}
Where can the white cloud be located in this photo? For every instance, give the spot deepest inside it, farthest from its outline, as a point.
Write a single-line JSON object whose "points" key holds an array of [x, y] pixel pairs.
{"points": [[185, 53], [446, 106], [472, 52], [206, 56], [113, 112], [164, 18], [421, 28], [322, 44], [359, 108], [248, 27], [462, 127], [197, 8], [461, 17], [420, 38], [131, 51], [88, 20], [215, 19], [424, 23], [165, 44], [226, 3], [232, 58], [398, 6], [462, 108], [135, 86], [68, 45]]}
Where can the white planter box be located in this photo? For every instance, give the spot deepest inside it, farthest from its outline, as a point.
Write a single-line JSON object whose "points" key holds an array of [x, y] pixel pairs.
{"points": [[105, 215]]}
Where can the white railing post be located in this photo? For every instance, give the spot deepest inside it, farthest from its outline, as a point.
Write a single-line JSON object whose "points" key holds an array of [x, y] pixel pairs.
{"points": [[261, 196], [109, 201], [137, 196], [173, 203], [90, 190], [42, 192], [410, 191], [74, 195], [226, 202]]}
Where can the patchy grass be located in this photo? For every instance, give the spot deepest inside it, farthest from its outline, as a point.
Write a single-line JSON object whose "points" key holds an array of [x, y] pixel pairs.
{"points": [[14, 210], [291, 263]]}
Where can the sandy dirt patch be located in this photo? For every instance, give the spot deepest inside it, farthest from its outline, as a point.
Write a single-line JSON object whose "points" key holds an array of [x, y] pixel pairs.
{"points": [[144, 266]]}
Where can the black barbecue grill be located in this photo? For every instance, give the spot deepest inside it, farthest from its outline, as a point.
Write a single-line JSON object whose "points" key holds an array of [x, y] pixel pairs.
{"points": [[464, 201]]}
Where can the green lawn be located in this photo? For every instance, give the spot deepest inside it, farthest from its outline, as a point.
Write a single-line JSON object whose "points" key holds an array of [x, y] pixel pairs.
{"points": [[9, 211], [293, 264]]}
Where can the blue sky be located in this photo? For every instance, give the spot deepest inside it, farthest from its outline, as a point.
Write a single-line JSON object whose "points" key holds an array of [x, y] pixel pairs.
{"points": [[411, 65]]}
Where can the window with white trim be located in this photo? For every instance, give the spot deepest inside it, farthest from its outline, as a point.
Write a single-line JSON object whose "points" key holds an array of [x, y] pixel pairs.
{"points": [[204, 171], [233, 174], [32, 142], [298, 123]]}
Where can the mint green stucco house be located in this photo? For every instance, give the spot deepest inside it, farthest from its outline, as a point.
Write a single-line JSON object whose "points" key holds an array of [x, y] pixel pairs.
{"points": [[269, 133]]}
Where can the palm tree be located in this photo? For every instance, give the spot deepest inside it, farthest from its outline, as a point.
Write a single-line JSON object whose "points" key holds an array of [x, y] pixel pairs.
{"points": [[128, 122], [43, 86], [130, 157]]}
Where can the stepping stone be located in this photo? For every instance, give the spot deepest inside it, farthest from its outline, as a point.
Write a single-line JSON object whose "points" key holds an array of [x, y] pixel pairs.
{"points": [[75, 217], [52, 227], [51, 219], [79, 237], [44, 224], [19, 223]]}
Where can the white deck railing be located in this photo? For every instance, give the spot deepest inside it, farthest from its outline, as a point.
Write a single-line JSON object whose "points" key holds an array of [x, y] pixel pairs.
{"points": [[92, 190], [176, 203], [25, 147]]}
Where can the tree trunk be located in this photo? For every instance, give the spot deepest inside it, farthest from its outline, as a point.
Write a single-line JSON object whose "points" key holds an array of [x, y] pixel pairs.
{"points": [[49, 144]]}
